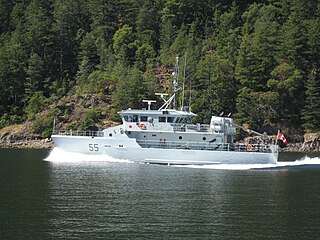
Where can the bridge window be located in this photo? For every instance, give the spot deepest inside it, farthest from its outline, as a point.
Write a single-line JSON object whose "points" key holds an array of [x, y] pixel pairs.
{"points": [[131, 118], [143, 118], [135, 118], [170, 119], [162, 119], [181, 120]]}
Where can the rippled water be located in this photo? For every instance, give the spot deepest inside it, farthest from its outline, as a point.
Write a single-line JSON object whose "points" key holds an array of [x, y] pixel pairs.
{"points": [[76, 197]]}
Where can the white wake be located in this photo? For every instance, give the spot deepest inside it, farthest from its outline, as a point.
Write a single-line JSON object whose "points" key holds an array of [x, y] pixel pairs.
{"points": [[58, 155], [280, 165]]}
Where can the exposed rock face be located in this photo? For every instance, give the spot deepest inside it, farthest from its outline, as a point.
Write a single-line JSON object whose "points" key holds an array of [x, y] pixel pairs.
{"points": [[311, 142], [34, 143], [19, 136]]}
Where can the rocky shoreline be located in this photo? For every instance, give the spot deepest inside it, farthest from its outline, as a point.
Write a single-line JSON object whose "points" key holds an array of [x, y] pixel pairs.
{"points": [[311, 143], [17, 137], [20, 136], [29, 144]]}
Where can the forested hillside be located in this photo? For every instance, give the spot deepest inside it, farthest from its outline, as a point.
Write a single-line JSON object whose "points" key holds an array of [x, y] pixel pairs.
{"points": [[259, 60]]}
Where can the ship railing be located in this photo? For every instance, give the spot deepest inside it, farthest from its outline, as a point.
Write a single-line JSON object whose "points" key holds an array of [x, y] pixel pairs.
{"points": [[178, 127], [238, 147], [79, 133]]}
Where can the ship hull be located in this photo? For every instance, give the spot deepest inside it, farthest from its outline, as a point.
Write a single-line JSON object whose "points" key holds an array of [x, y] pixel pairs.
{"points": [[129, 149]]}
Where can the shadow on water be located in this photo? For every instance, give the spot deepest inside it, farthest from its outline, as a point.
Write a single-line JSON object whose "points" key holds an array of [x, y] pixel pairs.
{"points": [[24, 187]]}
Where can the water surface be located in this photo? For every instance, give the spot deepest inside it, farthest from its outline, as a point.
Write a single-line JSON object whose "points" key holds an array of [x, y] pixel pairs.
{"points": [[92, 198]]}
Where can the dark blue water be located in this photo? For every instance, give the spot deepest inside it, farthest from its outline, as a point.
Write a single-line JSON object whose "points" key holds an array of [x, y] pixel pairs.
{"points": [[120, 200]]}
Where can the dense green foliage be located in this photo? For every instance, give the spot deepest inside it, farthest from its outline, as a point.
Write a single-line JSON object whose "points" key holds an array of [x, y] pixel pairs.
{"points": [[257, 59]]}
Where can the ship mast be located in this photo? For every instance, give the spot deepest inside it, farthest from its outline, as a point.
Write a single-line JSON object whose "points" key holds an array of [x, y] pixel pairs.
{"points": [[175, 82], [183, 82], [176, 88]]}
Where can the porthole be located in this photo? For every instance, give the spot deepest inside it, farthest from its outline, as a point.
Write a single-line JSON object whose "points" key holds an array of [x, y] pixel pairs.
{"points": [[180, 137], [204, 138], [110, 134]]}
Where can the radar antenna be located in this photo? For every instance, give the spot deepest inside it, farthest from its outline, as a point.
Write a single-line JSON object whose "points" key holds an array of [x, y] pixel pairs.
{"points": [[149, 103]]}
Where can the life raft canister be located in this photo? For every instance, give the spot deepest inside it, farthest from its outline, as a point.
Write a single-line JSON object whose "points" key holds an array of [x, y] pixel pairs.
{"points": [[249, 148]]}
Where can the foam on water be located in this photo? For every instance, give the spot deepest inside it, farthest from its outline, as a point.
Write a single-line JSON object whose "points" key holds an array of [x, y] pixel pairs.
{"points": [[58, 155], [280, 165]]}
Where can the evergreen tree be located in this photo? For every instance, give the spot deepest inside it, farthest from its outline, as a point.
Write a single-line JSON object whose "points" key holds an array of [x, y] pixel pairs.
{"points": [[145, 56], [256, 59], [124, 45], [292, 44], [69, 18], [5, 12], [13, 57], [216, 87], [258, 50], [311, 111], [257, 109], [88, 58], [35, 75], [130, 88], [148, 21], [167, 35], [12, 75], [287, 82], [227, 33], [180, 42], [151, 82], [104, 18], [36, 103]]}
